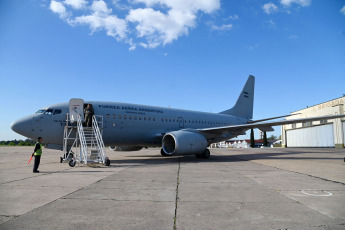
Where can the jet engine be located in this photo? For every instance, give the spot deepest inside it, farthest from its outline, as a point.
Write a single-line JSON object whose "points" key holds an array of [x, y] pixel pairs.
{"points": [[125, 148], [184, 143]]}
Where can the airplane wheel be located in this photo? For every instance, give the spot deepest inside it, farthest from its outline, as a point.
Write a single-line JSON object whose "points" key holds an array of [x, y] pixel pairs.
{"points": [[199, 156], [61, 159], [107, 162], [206, 154], [72, 163]]}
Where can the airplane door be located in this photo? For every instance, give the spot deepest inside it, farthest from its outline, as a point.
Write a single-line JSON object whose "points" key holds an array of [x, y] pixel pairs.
{"points": [[181, 122], [76, 106]]}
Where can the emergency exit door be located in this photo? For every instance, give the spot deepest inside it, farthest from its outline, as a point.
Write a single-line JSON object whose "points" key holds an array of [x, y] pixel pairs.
{"points": [[181, 122]]}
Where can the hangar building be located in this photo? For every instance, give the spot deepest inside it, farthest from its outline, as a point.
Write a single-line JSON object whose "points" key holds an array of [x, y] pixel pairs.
{"points": [[325, 133]]}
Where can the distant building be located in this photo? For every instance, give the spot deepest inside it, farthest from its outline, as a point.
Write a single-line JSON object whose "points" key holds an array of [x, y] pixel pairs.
{"points": [[325, 133], [240, 143]]}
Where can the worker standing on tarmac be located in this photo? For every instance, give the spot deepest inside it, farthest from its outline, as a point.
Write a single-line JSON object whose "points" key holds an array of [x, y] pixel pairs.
{"points": [[88, 115], [37, 153]]}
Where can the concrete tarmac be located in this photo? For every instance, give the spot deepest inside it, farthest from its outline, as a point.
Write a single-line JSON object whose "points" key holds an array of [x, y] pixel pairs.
{"points": [[234, 189]]}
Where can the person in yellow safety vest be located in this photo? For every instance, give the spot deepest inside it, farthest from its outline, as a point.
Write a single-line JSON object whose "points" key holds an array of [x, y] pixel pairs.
{"points": [[37, 154]]}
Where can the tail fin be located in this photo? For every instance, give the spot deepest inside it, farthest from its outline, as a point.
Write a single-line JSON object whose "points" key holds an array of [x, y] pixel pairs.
{"points": [[245, 102]]}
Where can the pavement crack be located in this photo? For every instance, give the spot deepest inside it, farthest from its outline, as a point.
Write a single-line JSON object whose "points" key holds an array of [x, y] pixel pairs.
{"points": [[177, 187]]}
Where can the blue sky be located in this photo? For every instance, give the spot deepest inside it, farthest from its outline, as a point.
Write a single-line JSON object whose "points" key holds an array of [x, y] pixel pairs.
{"points": [[188, 54]]}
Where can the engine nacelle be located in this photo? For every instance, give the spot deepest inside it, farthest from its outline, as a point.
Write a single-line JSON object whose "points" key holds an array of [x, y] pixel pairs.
{"points": [[184, 143], [125, 148]]}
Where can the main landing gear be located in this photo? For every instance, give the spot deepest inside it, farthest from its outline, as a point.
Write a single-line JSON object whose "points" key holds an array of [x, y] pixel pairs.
{"points": [[205, 155], [164, 154]]}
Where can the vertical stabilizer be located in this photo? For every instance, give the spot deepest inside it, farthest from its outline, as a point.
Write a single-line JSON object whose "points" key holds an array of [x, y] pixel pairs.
{"points": [[245, 102]]}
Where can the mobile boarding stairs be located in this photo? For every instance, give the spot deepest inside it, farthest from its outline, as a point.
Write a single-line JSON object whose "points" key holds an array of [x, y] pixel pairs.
{"points": [[83, 144]]}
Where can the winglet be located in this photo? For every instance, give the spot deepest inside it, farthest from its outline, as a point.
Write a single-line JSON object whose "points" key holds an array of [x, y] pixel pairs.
{"points": [[245, 102]]}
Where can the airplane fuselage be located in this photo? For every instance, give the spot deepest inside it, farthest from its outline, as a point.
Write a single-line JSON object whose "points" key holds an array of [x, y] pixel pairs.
{"points": [[124, 124]]}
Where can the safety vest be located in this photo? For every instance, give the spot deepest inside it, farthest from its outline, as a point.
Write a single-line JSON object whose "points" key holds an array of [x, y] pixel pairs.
{"points": [[39, 151]]}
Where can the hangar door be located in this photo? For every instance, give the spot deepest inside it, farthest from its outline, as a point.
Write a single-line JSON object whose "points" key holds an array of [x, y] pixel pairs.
{"points": [[344, 131], [317, 136]]}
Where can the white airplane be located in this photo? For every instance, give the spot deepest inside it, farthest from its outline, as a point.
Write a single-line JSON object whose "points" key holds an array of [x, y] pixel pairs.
{"points": [[130, 127]]}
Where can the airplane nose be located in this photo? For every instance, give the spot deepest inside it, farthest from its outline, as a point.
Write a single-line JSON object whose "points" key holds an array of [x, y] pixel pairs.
{"points": [[22, 126], [14, 126]]}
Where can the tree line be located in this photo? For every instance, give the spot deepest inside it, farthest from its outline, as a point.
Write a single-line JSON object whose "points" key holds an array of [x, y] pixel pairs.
{"points": [[15, 142]]}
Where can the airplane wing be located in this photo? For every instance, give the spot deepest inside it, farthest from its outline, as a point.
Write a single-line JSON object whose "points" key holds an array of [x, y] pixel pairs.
{"points": [[226, 132], [272, 118]]}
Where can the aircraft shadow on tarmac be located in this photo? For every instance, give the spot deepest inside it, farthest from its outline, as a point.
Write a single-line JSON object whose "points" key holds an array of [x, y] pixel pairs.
{"points": [[157, 159]]}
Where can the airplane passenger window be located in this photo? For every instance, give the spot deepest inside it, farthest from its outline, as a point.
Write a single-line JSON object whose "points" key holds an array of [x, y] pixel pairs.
{"points": [[57, 111], [140, 118], [119, 116], [145, 118], [154, 119], [49, 112], [108, 115], [149, 118], [135, 117], [130, 117], [162, 119], [41, 111], [124, 116], [114, 116]]}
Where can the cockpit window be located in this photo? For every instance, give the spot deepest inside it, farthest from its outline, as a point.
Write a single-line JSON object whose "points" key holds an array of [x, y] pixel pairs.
{"points": [[41, 111], [49, 112], [57, 111]]}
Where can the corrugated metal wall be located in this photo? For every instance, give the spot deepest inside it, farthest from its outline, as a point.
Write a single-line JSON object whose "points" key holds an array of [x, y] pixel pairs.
{"points": [[317, 136], [344, 131]]}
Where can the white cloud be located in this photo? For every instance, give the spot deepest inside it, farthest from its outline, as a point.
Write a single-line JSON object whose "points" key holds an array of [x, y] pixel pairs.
{"points": [[163, 28], [223, 27], [270, 8], [233, 17], [271, 23], [159, 28], [113, 26], [293, 37], [58, 8], [100, 7], [342, 10], [207, 6], [120, 6], [288, 3], [76, 4], [147, 23], [250, 48], [101, 19]]}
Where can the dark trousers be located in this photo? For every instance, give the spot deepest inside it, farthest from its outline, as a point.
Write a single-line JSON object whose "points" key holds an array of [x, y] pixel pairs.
{"points": [[37, 162], [88, 121]]}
